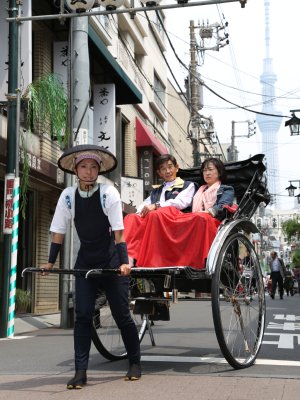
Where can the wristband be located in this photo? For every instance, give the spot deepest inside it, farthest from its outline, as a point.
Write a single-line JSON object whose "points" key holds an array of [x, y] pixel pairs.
{"points": [[54, 250], [122, 253]]}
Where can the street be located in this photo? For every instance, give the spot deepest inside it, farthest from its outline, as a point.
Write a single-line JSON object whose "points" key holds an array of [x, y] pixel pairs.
{"points": [[186, 361]]}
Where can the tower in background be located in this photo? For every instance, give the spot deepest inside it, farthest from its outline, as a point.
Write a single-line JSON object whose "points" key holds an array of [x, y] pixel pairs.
{"points": [[268, 125]]}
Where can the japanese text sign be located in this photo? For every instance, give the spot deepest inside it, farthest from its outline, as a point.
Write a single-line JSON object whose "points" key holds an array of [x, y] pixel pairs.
{"points": [[105, 116], [8, 206]]}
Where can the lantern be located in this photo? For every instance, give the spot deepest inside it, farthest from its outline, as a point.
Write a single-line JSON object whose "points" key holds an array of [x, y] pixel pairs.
{"points": [[80, 5], [151, 3], [110, 4]]}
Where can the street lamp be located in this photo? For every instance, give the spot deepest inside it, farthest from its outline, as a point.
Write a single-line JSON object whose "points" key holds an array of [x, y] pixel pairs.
{"points": [[291, 189], [294, 124]]}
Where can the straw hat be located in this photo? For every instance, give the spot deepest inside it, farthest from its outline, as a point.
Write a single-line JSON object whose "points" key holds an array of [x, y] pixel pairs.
{"points": [[107, 160]]}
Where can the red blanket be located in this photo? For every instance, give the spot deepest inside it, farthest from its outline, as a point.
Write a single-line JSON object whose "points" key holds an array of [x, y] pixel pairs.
{"points": [[167, 237]]}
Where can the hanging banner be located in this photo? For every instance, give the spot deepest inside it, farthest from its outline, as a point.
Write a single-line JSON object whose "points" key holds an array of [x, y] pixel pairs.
{"points": [[61, 62], [8, 206], [104, 120]]}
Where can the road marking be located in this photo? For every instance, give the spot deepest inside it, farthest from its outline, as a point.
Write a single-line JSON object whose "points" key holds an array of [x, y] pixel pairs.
{"points": [[206, 360], [286, 340], [216, 360]]}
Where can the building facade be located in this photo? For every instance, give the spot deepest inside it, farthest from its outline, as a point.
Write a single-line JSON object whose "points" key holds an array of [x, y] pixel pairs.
{"points": [[150, 119]]}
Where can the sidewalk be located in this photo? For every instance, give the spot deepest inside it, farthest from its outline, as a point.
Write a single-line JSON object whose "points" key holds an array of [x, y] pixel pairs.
{"points": [[28, 322]]}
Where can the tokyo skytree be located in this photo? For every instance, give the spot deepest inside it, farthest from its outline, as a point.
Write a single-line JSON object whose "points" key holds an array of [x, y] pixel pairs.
{"points": [[269, 125]]}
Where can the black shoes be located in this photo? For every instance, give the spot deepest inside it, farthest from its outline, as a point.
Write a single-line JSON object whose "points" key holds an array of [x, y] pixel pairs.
{"points": [[78, 381], [272, 296], [134, 372]]}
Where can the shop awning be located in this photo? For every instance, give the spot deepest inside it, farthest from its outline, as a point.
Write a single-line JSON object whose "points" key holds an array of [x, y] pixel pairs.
{"points": [[126, 90], [145, 138]]}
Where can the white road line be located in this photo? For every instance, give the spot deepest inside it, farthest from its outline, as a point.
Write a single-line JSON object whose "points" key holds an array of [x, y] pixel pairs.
{"points": [[215, 360], [206, 360]]}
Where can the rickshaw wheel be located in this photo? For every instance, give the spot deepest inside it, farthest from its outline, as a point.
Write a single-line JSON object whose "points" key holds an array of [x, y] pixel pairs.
{"points": [[238, 301], [106, 335]]}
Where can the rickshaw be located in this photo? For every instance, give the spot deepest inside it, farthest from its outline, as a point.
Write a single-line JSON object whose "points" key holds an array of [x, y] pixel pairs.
{"points": [[238, 301]]}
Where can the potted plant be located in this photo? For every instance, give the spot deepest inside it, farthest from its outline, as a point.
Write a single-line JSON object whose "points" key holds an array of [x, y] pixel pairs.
{"points": [[23, 301]]}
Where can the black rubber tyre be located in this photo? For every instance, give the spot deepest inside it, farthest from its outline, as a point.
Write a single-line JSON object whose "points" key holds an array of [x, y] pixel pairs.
{"points": [[105, 333], [238, 301]]}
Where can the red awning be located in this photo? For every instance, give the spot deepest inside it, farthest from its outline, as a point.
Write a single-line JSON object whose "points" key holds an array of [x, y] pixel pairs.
{"points": [[145, 138]]}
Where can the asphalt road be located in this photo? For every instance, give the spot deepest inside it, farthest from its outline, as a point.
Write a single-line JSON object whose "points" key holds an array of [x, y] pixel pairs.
{"points": [[185, 361]]}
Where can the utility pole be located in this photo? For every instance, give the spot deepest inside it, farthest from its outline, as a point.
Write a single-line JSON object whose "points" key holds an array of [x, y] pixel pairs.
{"points": [[79, 83], [194, 98], [232, 153], [202, 128], [13, 99]]}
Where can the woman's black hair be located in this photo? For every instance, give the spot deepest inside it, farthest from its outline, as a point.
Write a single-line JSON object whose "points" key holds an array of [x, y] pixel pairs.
{"points": [[163, 158], [218, 165]]}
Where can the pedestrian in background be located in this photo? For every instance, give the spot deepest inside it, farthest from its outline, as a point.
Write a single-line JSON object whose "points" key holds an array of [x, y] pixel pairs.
{"points": [[277, 269], [97, 213], [289, 281], [297, 277]]}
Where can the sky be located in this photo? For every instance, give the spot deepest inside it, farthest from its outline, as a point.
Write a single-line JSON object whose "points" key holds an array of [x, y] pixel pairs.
{"points": [[234, 73]]}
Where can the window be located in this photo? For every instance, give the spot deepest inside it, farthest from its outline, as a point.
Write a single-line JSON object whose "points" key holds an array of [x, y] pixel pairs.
{"points": [[159, 93], [158, 24]]}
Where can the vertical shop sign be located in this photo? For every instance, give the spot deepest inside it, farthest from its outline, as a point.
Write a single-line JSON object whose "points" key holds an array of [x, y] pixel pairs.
{"points": [[8, 206], [147, 167], [105, 116], [61, 61]]}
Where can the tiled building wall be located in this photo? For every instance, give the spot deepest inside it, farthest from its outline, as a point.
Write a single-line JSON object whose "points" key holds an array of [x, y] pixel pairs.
{"points": [[131, 161], [46, 296]]}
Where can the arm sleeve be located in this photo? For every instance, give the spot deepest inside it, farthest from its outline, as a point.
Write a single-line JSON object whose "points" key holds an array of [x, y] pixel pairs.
{"points": [[226, 198], [114, 209], [182, 200], [62, 215]]}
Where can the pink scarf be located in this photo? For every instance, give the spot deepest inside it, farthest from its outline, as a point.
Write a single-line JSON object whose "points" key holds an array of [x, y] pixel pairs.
{"points": [[205, 197]]}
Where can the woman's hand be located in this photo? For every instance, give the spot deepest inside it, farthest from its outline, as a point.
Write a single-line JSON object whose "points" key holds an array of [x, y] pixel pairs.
{"points": [[46, 267], [125, 269]]}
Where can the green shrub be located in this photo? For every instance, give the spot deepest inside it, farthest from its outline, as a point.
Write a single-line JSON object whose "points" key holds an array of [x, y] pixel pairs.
{"points": [[23, 301]]}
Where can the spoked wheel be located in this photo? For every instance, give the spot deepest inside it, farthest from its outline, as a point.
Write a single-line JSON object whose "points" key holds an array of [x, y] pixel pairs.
{"points": [[238, 301], [105, 333]]}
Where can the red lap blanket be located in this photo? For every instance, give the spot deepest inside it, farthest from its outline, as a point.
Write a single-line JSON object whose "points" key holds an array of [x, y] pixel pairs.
{"points": [[167, 237]]}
